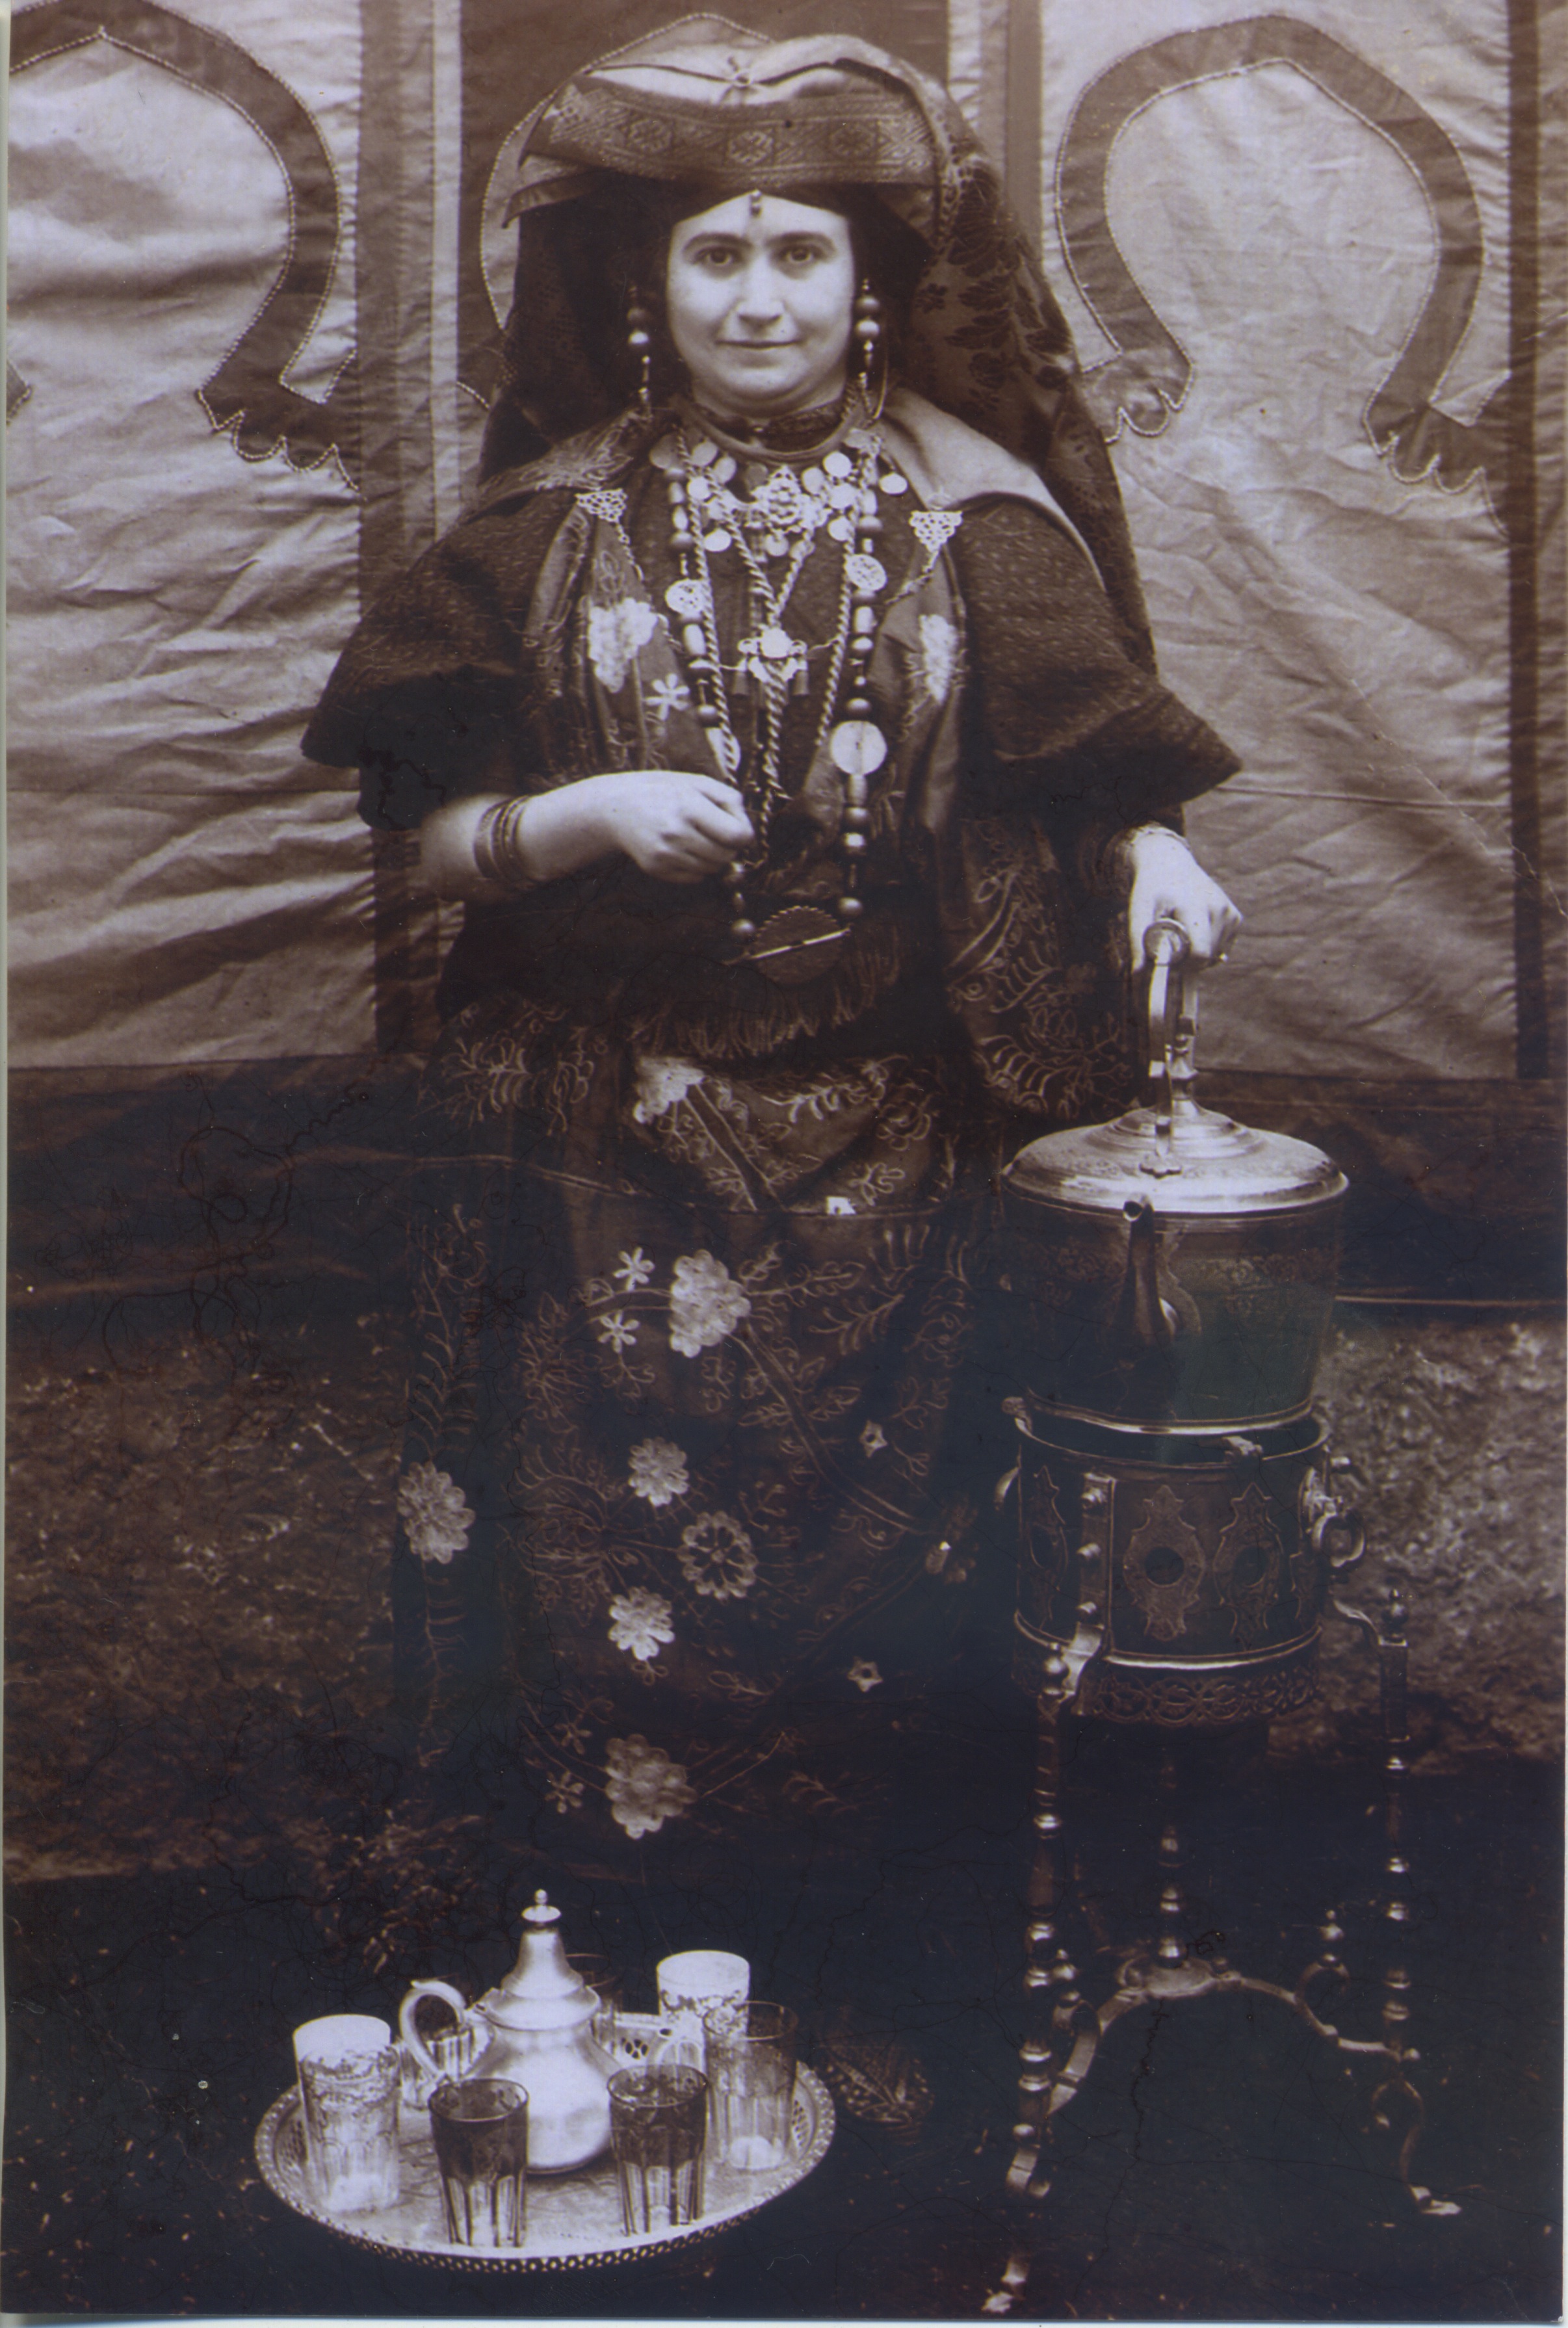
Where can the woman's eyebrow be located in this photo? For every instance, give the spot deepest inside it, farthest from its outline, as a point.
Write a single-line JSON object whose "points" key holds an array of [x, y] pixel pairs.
{"points": [[715, 238]]}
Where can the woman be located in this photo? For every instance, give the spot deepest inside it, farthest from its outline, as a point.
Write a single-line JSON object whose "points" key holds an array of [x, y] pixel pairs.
{"points": [[796, 745]]}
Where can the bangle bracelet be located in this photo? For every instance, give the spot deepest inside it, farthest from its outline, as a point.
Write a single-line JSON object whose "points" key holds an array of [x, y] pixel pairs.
{"points": [[498, 845], [1121, 853]]}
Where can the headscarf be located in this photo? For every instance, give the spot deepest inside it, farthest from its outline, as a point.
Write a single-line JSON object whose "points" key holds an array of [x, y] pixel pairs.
{"points": [[707, 107]]}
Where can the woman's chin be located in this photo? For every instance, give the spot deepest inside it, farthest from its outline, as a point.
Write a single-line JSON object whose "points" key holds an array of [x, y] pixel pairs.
{"points": [[763, 390]]}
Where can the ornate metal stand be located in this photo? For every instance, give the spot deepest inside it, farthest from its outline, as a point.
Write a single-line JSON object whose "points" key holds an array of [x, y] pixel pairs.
{"points": [[1059, 2052]]}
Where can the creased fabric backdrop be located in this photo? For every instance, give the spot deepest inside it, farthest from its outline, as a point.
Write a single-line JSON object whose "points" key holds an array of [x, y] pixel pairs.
{"points": [[256, 268]]}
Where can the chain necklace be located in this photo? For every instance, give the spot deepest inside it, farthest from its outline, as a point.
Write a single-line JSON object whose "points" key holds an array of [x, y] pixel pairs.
{"points": [[773, 529]]}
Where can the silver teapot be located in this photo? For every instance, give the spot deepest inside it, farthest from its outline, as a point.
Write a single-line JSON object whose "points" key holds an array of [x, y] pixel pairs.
{"points": [[535, 2028]]}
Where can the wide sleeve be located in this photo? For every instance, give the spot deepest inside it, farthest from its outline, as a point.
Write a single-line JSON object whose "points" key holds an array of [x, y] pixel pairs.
{"points": [[1061, 716], [432, 699], [1068, 740]]}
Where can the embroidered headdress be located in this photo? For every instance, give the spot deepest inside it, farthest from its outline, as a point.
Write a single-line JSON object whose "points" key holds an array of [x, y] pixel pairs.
{"points": [[706, 108]]}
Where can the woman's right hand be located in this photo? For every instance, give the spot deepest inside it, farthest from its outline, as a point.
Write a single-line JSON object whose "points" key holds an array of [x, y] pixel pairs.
{"points": [[673, 825]]}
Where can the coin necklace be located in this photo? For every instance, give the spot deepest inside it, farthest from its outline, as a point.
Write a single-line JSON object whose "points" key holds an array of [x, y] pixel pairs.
{"points": [[784, 515]]}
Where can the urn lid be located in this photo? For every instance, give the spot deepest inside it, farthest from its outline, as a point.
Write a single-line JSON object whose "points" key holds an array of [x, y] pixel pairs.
{"points": [[1199, 1162], [1171, 1154], [542, 1991]]}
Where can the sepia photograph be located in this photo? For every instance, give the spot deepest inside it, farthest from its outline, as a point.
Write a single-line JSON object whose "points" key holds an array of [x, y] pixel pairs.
{"points": [[786, 1108]]}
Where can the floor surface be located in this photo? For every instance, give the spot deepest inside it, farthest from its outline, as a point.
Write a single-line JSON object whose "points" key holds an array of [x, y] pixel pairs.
{"points": [[198, 1655]]}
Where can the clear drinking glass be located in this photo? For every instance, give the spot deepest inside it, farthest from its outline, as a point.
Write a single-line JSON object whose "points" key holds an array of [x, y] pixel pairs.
{"points": [[751, 2077], [481, 2131], [699, 1990], [659, 2126], [349, 2075]]}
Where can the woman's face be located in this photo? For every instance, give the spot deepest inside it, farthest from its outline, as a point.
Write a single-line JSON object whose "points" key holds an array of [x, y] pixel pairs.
{"points": [[761, 295]]}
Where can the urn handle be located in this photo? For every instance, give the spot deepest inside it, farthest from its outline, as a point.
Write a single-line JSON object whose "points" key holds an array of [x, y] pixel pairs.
{"points": [[1172, 1026], [408, 2028]]}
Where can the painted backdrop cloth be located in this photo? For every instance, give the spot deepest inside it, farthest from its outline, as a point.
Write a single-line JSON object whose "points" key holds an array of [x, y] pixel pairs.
{"points": [[1300, 252], [692, 1297]]}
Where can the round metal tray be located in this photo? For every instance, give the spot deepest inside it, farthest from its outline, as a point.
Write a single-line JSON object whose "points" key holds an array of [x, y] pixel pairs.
{"points": [[574, 2220]]}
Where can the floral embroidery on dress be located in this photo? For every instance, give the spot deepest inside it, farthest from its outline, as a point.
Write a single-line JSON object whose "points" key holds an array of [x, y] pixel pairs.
{"points": [[435, 1513], [566, 1793], [616, 1331], [873, 1439], [938, 656], [645, 1787], [706, 1304], [668, 695], [616, 634], [866, 1675], [717, 1559], [657, 1472], [635, 1270], [660, 1084], [640, 1623]]}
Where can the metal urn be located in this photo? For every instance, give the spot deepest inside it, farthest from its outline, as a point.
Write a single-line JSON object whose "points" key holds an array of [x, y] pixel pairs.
{"points": [[1176, 1528]]}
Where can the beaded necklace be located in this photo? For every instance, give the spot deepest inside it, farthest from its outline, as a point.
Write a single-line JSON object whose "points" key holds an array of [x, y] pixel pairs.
{"points": [[773, 528]]}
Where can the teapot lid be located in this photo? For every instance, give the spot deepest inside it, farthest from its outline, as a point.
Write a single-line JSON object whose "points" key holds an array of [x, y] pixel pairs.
{"points": [[543, 1990]]}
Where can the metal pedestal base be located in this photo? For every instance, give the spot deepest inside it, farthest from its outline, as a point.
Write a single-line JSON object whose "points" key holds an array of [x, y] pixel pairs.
{"points": [[1066, 2029]]}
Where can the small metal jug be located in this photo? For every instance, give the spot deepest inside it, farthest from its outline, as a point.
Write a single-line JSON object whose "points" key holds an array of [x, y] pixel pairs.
{"points": [[536, 2029]]}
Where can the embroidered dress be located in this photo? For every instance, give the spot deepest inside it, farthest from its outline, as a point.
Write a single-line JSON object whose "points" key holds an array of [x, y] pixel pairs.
{"points": [[691, 1301]]}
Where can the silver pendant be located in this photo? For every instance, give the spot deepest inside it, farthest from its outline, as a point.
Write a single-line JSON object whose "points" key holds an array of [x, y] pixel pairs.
{"points": [[687, 598], [857, 748], [795, 946]]}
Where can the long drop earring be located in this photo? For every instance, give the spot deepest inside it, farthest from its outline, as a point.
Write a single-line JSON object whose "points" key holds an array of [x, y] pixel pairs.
{"points": [[868, 331], [640, 340]]}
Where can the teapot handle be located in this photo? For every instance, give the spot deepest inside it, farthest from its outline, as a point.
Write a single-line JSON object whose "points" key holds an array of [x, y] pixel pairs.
{"points": [[408, 2029]]}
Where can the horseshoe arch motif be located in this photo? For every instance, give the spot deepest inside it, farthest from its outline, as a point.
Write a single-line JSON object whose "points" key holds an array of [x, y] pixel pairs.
{"points": [[1147, 382], [248, 395]]}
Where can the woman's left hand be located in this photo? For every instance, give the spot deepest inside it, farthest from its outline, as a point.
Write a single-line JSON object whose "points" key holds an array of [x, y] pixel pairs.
{"points": [[1169, 883]]}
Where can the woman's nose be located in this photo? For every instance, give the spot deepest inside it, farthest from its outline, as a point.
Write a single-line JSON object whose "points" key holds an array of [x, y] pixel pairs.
{"points": [[759, 299]]}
